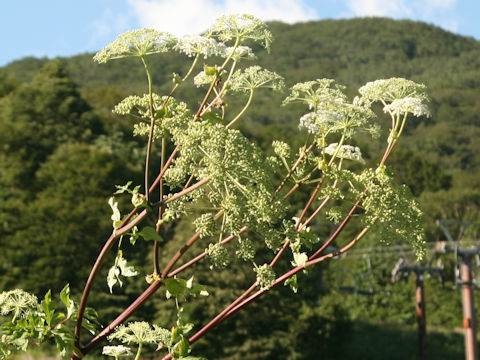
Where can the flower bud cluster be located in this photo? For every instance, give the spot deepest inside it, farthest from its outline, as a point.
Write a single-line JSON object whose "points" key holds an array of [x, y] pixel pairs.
{"points": [[218, 255], [265, 276], [245, 249], [282, 149], [206, 225]]}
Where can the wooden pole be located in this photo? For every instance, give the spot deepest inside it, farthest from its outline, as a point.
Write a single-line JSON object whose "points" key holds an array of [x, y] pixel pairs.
{"points": [[421, 315], [469, 320]]}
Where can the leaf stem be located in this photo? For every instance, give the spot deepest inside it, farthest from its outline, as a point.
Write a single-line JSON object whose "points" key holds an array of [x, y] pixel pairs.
{"points": [[249, 101]]}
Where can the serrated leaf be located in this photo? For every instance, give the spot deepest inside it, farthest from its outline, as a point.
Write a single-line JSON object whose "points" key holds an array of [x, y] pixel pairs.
{"points": [[182, 348], [64, 340], [112, 277], [125, 269], [198, 289], [186, 328], [120, 268], [91, 322], [175, 286], [293, 283], [122, 188], [65, 297], [47, 309], [149, 233], [116, 216]]}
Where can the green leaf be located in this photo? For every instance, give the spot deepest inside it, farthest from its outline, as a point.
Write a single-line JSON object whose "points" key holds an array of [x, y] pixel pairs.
{"points": [[192, 358], [175, 287], [116, 216], [212, 117], [65, 297], [120, 268], [91, 322], [292, 282], [149, 233], [182, 348], [64, 340], [123, 188], [47, 309]]}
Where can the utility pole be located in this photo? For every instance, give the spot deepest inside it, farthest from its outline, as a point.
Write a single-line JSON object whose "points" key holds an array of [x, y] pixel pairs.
{"points": [[469, 320], [421, 315], [419, 300]]}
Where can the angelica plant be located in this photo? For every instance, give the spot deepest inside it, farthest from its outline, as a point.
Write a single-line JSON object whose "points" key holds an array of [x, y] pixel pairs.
{"points": [[222, 182]]}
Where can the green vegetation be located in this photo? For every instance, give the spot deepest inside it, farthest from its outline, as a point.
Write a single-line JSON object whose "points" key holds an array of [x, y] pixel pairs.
{"points": [[62, 149]]}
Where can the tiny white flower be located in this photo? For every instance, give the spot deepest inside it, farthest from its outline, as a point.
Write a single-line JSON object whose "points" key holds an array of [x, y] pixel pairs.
{"points": [[193, 45], [203, 79], [411, 105], [345, 152], [117, 351], [241, 52]]}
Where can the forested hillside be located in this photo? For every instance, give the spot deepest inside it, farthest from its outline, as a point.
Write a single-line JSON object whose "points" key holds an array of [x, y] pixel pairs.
{"points": [[62, 152]]}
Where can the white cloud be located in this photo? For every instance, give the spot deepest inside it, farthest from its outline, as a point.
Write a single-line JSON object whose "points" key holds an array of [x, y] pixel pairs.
{"points": [[420, 9], [392, 8], [105, 28], [189, 17], [440, 12]]}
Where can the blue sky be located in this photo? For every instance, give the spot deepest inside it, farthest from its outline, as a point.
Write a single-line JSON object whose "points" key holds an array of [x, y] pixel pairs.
{"points": [[64, 28]]}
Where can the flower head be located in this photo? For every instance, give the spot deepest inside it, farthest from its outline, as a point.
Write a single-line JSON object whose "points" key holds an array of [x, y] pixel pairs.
{"points": [[117, 351], [255, 77], [265, 276], [139, 332], [388, 90], [18, 302], [407, 105], [345, 152], [241, 52], [202, 45], [139, 43], [242, 27]]}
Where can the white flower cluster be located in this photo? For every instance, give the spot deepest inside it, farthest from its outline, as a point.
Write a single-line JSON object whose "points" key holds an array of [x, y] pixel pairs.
{"points": [[206, 46], [316, 92], [140, 332], [140, 104], [345, 152], [314, 122], [388, 90], [408, 105], [203, 79], [282, 149], [255, 77], [242, 26], [117, 351], [136, 43], [18, 302], [241, 52]]}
